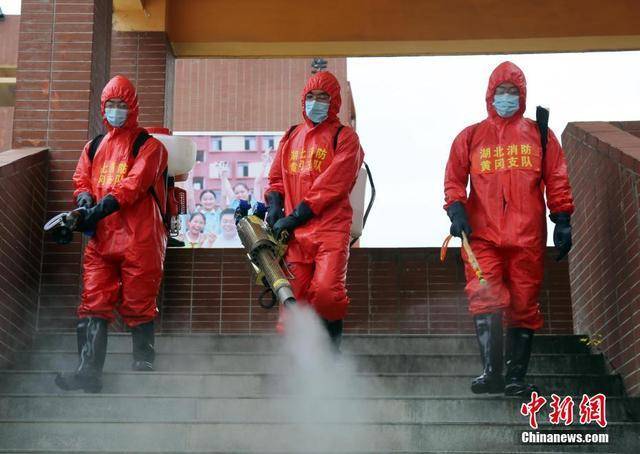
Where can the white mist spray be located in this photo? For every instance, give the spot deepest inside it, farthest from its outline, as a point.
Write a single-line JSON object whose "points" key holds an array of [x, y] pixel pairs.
{"points": [[320, 386]]}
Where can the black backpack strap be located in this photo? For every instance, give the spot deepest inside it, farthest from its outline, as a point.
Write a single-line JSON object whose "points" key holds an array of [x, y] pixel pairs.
{"points": [[542, 118], [93, 146], [139, 142], [289, 132], [335, 139], [166, 216]]}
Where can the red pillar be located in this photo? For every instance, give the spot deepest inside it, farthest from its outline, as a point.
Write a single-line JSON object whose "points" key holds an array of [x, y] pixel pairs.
{"points": [[63, 63]]}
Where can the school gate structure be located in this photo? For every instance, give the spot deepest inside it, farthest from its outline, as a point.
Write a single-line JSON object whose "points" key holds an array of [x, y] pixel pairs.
{"points": [[217, 384]]}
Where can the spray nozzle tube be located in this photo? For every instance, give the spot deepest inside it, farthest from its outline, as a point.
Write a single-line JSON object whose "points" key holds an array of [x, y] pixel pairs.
{"points": [[62, 225], [265, 254]]}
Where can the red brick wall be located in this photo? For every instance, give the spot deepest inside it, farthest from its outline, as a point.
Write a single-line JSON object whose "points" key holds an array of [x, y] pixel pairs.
{"points": [[147, 60], [604, 166], [23, 179], [62, 66], [391, 290], [632, 127], [247, 94]]}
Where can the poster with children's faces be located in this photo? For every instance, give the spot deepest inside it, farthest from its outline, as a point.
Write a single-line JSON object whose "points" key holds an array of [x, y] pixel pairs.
{"points": [[228, 169]]}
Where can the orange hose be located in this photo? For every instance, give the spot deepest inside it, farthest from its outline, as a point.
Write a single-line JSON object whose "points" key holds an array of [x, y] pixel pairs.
{"points": [[473, 261], [443, 249]]}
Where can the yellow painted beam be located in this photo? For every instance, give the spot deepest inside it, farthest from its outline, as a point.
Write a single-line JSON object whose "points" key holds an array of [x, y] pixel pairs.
{"points": [[141, 16], [395, 48], [217, 28], [396, 20], [128, 5], [281, 28]]}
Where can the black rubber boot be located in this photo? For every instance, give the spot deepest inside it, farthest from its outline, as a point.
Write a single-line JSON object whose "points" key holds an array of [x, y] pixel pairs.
{"points": [[334, 328], [489, 334], [92, 350], [519, 343], [143, 340]]}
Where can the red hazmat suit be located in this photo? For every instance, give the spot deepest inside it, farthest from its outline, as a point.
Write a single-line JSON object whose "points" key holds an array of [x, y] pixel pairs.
{"points": [[307, 168], [124, 260], [506, 206]]}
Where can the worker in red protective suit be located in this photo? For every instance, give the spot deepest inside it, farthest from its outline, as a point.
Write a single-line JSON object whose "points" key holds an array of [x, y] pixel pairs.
{"points": [[505, 216], [123, 261], [309, 182]]}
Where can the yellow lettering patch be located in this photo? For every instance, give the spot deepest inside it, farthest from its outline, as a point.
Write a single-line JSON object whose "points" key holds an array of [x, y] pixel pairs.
{"points": [[526, 161], [500, 158], [112, 172], [307, 160]]}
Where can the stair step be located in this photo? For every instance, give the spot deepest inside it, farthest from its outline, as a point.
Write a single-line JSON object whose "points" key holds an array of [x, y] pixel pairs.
{"points": [[283, 409], [295, 451], [273, 363], [180, 436], [372, 344], [239, 384], [241, 394], [235, 451], [539, 450]]}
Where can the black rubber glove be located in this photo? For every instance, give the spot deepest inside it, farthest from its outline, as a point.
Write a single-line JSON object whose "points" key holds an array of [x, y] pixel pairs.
{"points": [[288, 224], [459, 221], [90, 218], [561, 233], [84, 200], [276, 208]]}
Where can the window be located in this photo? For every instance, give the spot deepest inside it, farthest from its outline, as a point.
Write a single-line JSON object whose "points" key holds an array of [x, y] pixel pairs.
{"points": [[216, 143], [269, 143], [200, 156], [232, 143], [198, 183], [249, 143], [242, 169]]}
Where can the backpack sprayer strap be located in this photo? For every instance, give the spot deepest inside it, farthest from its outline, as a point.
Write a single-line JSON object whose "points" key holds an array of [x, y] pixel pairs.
{"points": [[542, 119]]}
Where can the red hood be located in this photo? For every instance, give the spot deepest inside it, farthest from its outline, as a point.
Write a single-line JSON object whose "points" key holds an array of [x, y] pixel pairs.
{"points": [[326, 81], [507, 72], [121, 87]]}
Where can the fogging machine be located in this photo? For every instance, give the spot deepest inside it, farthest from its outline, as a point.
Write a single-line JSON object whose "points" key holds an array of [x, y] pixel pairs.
{"points": [[266, 255]]}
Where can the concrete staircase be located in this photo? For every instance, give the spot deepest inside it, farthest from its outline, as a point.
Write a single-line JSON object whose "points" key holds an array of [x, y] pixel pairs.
{"points": [[233, 393]]}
